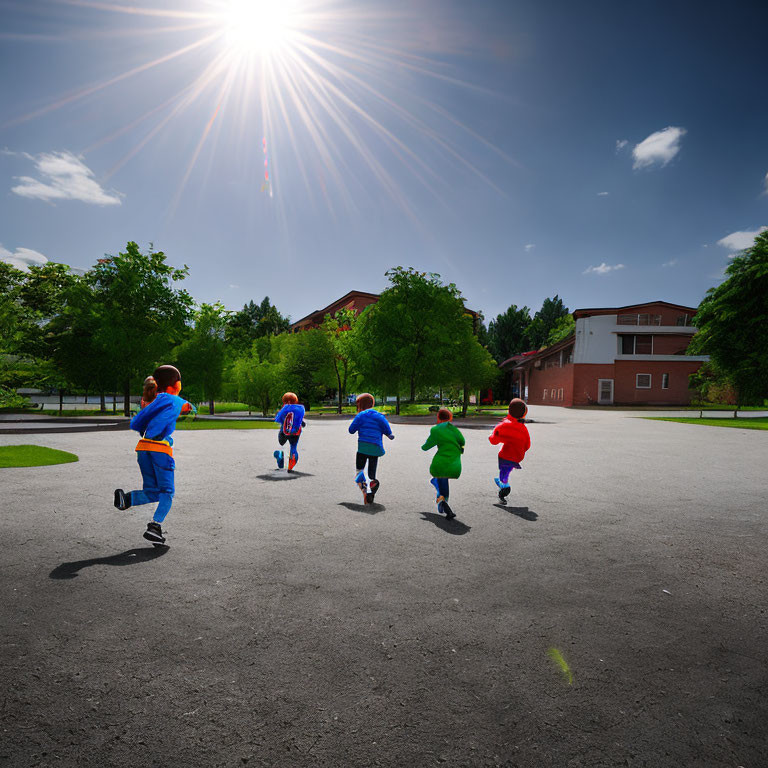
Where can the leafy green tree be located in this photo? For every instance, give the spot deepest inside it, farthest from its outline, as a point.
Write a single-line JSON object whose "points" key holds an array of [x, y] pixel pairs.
{"points": [[307, 363], [551, 312], [472, 365], [405, 334], [200, 357], [339, 331], [732, 321], [507, 333], [563, 328], [259, 383], [139, 313], [254, 321]]}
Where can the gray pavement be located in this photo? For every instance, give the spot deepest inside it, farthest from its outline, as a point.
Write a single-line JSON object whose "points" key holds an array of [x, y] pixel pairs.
{"points": [[289, 625]]}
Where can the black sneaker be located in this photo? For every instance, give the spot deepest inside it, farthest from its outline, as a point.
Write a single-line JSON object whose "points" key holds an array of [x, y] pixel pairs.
{"points": [[503, 493], [154, 533], [122, 499], [447, 511], [374, 486]]}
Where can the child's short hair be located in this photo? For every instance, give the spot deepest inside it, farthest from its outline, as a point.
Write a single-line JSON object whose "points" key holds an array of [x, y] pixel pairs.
{"points": [[150, 389], [517, 408], [444, 415], [364, 401], [289, 398], [166, 376]]}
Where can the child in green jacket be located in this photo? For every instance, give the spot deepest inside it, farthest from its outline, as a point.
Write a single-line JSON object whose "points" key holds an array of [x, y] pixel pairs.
{"points": [[447, 461]]}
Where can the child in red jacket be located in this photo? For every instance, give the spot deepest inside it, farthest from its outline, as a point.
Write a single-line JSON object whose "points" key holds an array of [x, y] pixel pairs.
{"points": [[515, 441]]}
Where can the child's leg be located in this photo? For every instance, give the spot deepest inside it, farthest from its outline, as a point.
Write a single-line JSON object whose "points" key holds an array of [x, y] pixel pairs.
{"points": [[442, 498], [294, 453], [443, 486], [164, 472], [281, 438], [360, 461], [150, 492], [373, 462]]}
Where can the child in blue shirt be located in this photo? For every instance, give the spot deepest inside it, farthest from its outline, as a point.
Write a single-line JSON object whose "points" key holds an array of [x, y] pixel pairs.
{"points": [[155, 423], [370, 426], [291, 420]]}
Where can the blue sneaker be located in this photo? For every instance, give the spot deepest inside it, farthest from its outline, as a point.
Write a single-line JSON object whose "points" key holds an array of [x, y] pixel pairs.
{"points": [[279, 456], [362, 485], [360, 477]]}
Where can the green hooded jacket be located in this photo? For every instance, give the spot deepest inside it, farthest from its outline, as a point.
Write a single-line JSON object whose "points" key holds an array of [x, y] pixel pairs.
{"points": [[450, 446]]}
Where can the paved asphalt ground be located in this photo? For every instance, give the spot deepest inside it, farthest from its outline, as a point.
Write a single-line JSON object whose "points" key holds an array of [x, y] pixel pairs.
{"points": [[288, 625]]}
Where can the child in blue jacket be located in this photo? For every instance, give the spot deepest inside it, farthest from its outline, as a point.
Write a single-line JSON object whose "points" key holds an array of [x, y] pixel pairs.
{"points": [[155, 423], [370, 426], [291, 419]]}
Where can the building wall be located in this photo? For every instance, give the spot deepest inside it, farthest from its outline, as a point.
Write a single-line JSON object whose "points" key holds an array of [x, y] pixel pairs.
{"points": [[550, 379], [585, 382], [595, 342], [670, 344], [625, 390]]}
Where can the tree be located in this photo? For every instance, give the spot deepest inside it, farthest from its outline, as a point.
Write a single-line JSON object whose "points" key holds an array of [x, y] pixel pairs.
{"points": [[339, 331], [472, 365], [139, 314], [201, 356], [307, 363], [259, 383], [406, 332], [732, 321], [507, 333], [551, 312], [254, 321], [562, 329]]}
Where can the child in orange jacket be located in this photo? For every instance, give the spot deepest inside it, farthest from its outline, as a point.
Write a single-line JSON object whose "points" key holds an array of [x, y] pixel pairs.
{"points": [[513, 436]]}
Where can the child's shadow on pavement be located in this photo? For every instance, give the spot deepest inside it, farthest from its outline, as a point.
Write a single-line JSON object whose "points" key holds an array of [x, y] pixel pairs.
{"points": [[129, 557], [455, 527], [523, 512], [368, 509], [281, 474]]}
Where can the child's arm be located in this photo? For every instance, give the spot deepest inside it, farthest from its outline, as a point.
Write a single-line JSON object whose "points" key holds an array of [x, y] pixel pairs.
{"points": [[280, 415], [385, 428], [461, 441], [353, 426], [430, 442], [493, 438], [188, 408]]}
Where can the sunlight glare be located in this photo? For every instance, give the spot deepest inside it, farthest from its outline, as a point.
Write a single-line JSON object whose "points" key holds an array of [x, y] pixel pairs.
{"points": [[258, 26]]}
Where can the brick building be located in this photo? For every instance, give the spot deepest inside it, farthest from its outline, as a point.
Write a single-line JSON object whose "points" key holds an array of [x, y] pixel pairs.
{"points": [[632, 355], [354, 300]]}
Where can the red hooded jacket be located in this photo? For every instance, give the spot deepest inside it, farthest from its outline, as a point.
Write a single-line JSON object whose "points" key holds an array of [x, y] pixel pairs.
{"points": [[514, 439]]}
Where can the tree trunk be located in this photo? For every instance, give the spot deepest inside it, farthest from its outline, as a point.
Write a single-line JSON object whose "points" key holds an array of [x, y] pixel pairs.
{"points": [[127, 397], [114, 402], [413, 389], [211, 406], [441, 397], [102, 403], [338, 379], [397, 405], [61, 400], [466, 401]]}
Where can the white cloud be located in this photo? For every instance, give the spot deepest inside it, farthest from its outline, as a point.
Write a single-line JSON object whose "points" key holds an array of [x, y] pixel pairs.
{"points": [[64, 177], [603, 269], [620, 144], [603, 194], [233, 287], [738, 241], [22, 258], [658, 148], [530, 246], [765, 184], [670, 263]]}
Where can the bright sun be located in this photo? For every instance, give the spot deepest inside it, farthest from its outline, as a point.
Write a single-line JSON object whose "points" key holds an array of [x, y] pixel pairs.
{"points": [[258, 26]]}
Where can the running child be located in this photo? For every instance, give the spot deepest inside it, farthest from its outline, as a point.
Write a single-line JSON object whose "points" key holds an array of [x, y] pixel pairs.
{"points": [[155, 423], [370, 426], [513, 436], [291, 420], [446, 463]]}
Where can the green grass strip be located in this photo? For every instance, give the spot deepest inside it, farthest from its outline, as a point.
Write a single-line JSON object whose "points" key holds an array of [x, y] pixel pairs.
{"points": [[188, 424], [33, 456], [749, 422]]}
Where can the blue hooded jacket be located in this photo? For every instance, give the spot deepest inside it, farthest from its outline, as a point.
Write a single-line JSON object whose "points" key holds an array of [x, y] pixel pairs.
{"points": [[291, 418], [370, 425], [157, 420]]}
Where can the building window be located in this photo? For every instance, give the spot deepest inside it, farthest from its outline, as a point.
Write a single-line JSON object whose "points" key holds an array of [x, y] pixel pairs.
{"points": [[683, 320], [643, 381], [665, 381], [636, 345], [568, 356], [560, 394], [545, 395]]}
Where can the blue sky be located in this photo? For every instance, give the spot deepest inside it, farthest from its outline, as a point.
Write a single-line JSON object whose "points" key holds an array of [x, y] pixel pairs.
{"points": [[602, 151]]}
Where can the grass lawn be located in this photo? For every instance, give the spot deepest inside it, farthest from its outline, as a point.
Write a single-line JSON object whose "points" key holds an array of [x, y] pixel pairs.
{"points": [[32, 456], [186, 423], [750, 422], [223, 408]]}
